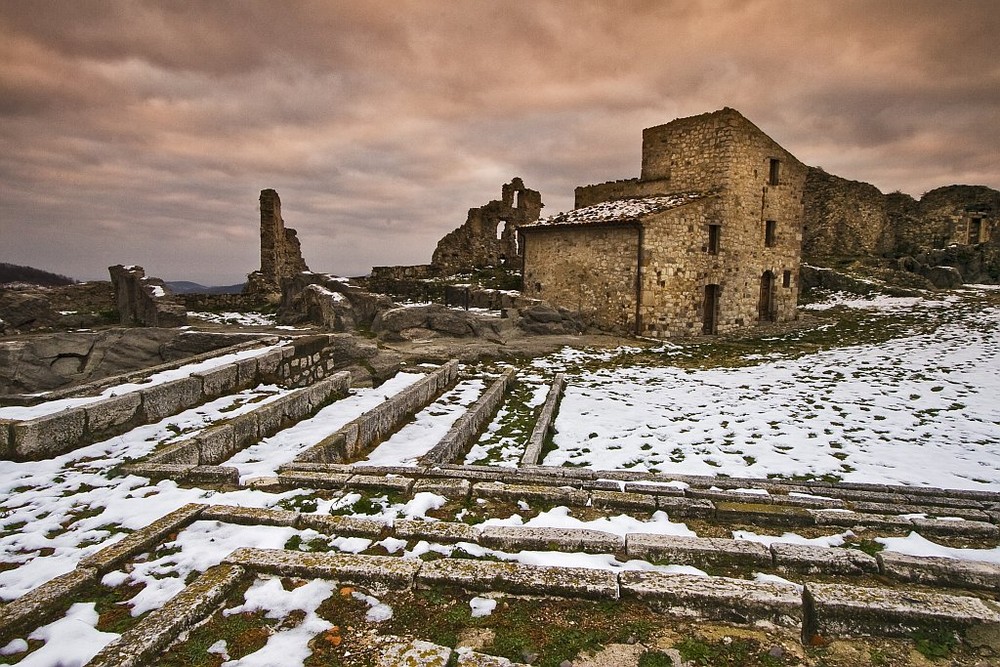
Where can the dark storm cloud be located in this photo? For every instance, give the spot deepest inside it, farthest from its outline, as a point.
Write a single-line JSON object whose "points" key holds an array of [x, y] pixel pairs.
{"points": [[141, 132]]}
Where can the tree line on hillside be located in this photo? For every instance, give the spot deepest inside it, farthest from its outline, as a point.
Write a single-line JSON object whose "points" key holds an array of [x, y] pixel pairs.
{"points": [[13, 273]]}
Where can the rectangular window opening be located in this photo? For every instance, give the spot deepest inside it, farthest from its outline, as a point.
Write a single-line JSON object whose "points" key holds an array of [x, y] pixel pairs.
{"points": [[714, 232], [770, 233], [786, 279], [975, 230], [774, 171]]}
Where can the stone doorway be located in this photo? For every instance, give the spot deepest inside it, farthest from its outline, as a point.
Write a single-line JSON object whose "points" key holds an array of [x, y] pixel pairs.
{"points": [[710, 310], [765, 307]]}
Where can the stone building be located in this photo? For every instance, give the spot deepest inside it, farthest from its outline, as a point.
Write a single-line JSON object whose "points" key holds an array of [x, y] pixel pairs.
{"points": [[706, 240], [280, 251], [489, 235]]}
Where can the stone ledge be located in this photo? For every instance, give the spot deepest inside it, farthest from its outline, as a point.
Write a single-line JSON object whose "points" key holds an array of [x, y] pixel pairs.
{"points": [[365, 570], [450, 488], [249, 516], [43, 602], [440, 531], [317, 480], [749, 511], [717, 598], [112, 556], [940, 571], [623, 499], [485, 576], [699, 551], [520, 538], [822, 560], [543, 425], [345, 525], [140, 644], [833, 609], [568, 496]]}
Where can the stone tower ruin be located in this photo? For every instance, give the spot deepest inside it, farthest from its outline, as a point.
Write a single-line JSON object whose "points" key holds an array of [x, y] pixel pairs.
{"points": [[280, 252]]}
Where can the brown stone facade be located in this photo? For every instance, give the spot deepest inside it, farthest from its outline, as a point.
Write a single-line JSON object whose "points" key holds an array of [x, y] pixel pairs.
{"points": [[724, 255], [280, 251], [489, 236]]}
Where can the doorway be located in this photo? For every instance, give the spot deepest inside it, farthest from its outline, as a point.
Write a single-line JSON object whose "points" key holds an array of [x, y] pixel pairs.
{"points": [[710, 310], [765, 307]]}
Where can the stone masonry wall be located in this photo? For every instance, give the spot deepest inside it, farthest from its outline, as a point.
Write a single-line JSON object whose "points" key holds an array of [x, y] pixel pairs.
{"points": [[587, 195], [489, 235], [590, 269], [844, 217]]}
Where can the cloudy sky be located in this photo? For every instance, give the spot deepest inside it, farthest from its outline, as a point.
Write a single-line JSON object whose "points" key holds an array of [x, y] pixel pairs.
{"points": [[143, 132]]}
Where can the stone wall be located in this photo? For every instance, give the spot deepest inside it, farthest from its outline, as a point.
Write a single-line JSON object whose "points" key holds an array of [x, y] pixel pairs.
{"points": [[280, 251], [843, 215], [240, 303], [590, 269], [587, 195], [489, 235], [142, 301]]}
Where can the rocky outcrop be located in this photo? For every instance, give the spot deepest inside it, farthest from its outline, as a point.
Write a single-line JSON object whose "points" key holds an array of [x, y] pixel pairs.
{"points": [[410, 323], [545, 319], [142, 301], [280, 250], [330, 302], [844, 217]]}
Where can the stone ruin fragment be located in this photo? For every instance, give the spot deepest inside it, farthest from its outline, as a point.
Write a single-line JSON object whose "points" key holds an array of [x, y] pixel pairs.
{"points": [[142, 301], [280, 251]]}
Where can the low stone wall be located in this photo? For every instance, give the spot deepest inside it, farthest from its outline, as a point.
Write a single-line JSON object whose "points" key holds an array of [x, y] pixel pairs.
{"points": [[240, 303], [358, 436], [459, 438], [220, 442], [544, 424], [303, 362]]}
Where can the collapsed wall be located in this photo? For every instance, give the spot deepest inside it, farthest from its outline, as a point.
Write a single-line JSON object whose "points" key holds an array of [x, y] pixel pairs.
{"points": [[142, 301]]}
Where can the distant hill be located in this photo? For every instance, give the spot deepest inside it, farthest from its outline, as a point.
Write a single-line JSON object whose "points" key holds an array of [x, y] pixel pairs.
{"points": [[188, 287], [12, 273]]}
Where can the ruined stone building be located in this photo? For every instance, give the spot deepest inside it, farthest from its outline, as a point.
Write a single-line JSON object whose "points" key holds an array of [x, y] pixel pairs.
{"points": [[280, 253], [489, 235], [706, 240]]}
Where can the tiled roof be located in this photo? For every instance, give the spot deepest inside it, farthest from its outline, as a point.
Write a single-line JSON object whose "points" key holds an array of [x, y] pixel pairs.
{"points": [[619, 210]]}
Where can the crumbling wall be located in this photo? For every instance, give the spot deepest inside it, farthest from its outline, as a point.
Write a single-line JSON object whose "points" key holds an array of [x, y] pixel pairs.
{"points": [[280, 250], [142, 301], [844, 217], [489, 235]]}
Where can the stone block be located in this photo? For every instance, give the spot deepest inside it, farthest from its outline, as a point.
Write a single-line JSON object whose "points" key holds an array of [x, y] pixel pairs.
{"points": [[653, 489], [760, 513], [822, 560], [346, 525], [50, 435], [316, 480], [174, 471], [435, 531], [471, 473], [696, 508], [112, 556], [249, 516], [834, 609], [698, 551], [245, 430], [416, 652], [214, 474], [969, 513], [218, 381], [246, 373], [467, 658], [520, 538], [450, 488], [623, 500], [390, 483], [140, 644], [938, 571], [961, 528], [475, 575], [267, 364], [555, 494], [716, 598], [6, 439], [112, 413], [854, 519], [163, 400], [183, 453], [40, 604], [386, 571], [270, 419], [216, 444]]}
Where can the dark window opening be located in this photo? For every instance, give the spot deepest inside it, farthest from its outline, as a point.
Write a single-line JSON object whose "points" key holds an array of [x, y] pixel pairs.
{"points": [[975, 230], [786, 279], [774, 171], [714, 232], [770, 233]]}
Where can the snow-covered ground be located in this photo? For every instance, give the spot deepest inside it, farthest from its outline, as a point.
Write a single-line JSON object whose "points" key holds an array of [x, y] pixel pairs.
{"points": [[920, 409]]}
